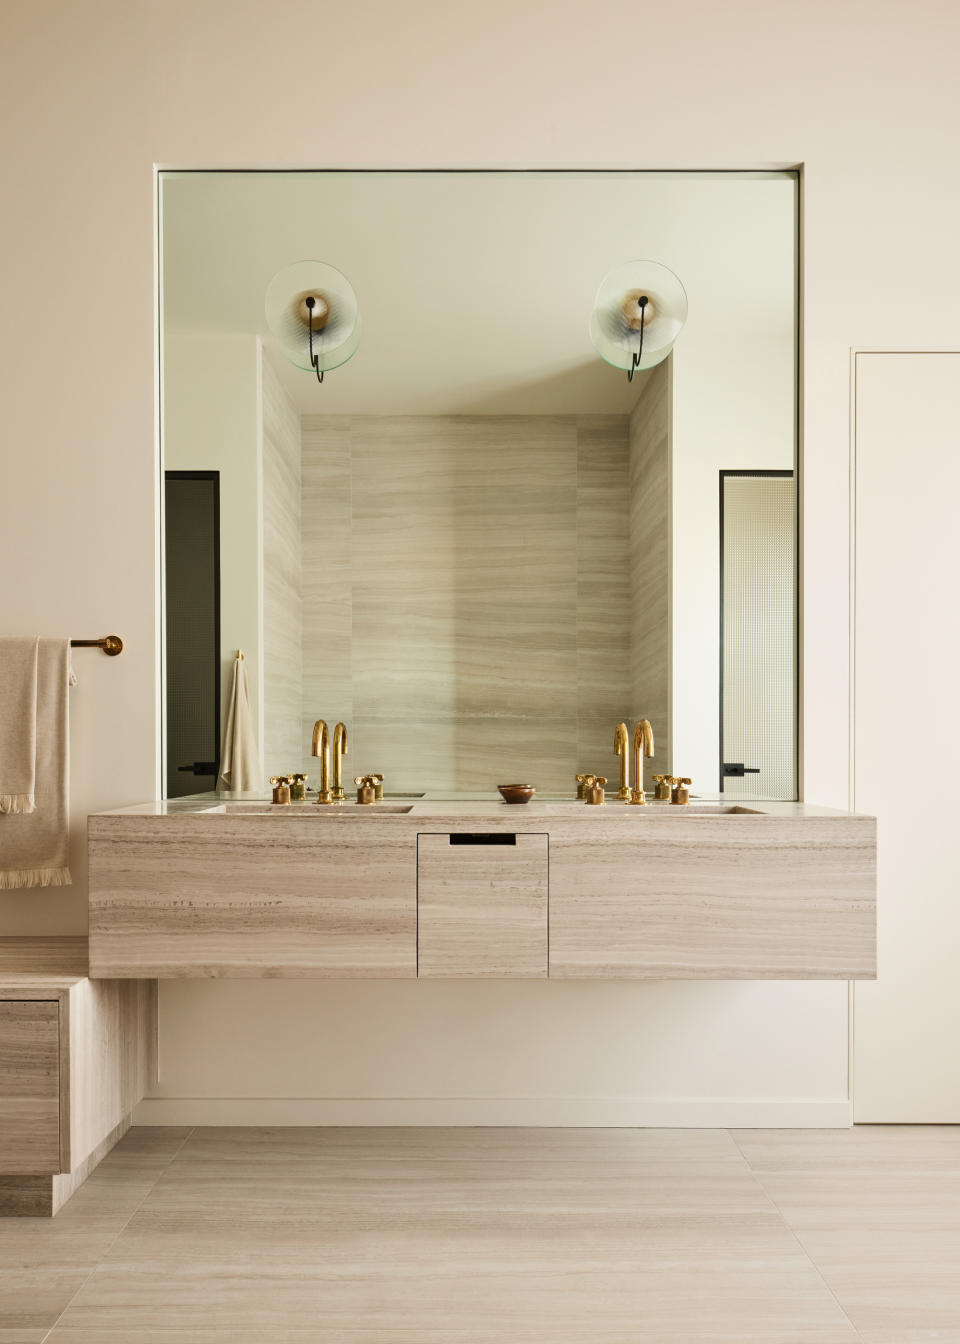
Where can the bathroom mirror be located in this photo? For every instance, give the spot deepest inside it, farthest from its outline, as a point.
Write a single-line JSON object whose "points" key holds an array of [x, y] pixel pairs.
{"points": [[477, 543]]}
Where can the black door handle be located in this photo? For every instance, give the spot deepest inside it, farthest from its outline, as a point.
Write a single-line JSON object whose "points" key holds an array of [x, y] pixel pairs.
{"points": [[736, 769], [199, 768]]}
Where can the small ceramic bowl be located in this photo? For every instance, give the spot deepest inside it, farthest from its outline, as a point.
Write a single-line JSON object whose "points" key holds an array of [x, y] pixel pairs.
{"points": [[517, 793]]}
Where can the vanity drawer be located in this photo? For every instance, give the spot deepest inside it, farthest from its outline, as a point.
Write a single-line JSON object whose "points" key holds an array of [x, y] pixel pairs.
{"points": [[728, 898], [30, 1086], [258, 896], [482, 906]]}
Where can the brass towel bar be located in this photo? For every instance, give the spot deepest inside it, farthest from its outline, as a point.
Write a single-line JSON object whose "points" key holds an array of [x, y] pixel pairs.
{"points": [[111, 644]]}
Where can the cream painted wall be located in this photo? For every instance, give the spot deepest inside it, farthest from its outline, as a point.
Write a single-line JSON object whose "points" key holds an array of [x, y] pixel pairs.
{"points": [[214, 423], [282, 576], [93, 95], [733, 408], [907, 650]]}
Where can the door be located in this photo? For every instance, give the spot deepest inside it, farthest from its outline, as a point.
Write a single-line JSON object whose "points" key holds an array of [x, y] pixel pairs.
{"points": [[192, 570], [758, 650], [907, 652]]}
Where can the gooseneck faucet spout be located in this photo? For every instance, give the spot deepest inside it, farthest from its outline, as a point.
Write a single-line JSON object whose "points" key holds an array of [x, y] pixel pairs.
{"points": [[339, 751], [321, 748], [621, 748], [642, 746]]}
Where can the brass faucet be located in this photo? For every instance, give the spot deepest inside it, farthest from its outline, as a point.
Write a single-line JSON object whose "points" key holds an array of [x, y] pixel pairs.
{"points": [[642, 746], [321, 748], [621, 748], [339, 751]]}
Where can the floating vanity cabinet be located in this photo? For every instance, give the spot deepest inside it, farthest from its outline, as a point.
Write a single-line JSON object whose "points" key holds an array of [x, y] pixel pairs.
{"points": [[76, 1056], [477, 889], [750, 897], [256, 895], [482, 905]]}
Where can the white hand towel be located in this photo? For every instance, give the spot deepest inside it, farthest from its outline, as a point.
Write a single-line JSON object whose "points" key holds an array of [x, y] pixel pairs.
{"points": [[18, 723], [239, 759], [34, 846]]}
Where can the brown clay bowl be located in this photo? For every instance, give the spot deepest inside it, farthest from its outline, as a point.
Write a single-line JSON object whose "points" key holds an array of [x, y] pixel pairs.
{"points": [[517, 793]]}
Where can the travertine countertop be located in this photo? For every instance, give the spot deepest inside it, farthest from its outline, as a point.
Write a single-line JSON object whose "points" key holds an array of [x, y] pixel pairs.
{"points": [[447, 806]]}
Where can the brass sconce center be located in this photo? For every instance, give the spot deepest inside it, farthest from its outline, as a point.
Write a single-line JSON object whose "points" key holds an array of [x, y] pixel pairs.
{"points": [[637, 314], [316, 316]]}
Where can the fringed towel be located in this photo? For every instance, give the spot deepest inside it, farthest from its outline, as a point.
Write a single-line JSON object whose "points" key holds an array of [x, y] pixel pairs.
{"points": [[34, 846], [18, 723], [239, 758]]}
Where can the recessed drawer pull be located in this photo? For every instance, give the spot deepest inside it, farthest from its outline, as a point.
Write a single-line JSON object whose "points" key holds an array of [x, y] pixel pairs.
{"points": [[484, 838]]}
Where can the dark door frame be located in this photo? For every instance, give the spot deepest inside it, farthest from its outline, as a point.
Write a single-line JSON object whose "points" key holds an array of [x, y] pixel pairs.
{"points": [[213, 476]]}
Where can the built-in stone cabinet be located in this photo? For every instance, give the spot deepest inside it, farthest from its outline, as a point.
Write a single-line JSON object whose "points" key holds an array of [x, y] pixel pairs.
{"points": [[76, 1055]]}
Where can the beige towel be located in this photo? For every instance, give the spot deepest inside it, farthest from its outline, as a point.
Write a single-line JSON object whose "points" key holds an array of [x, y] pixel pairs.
{"points": [[18, 723], [34, 846], [239, 759]]}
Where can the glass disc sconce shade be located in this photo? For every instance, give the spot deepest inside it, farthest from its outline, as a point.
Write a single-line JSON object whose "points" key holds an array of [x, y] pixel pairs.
{"points": [[637, 315], [320, 335]]}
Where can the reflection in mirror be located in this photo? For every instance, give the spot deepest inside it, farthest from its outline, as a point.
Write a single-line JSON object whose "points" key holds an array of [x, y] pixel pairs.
{"points": [[476, 543]]}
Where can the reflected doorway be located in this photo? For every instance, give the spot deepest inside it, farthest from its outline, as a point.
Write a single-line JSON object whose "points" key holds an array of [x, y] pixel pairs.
{"points": [[758, 607], [192, 574]]}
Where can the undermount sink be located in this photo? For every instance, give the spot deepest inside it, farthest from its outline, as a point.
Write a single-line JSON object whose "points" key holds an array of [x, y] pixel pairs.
{"points": [[350, 809], [650, 810]]}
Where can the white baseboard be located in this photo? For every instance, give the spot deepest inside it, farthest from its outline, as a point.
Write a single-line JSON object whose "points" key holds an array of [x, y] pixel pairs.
{"points": [[549, 1112]]}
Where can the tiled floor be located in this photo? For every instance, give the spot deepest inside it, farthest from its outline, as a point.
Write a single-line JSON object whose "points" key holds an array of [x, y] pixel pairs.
{"points": [[483, 1236]]}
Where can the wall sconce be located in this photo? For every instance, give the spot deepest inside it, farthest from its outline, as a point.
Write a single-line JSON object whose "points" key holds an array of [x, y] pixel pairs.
{"points": [[637, 315], [313, 312]]}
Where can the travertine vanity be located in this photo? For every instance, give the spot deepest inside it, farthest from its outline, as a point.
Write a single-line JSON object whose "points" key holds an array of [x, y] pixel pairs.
{"points": [[456, 889]]}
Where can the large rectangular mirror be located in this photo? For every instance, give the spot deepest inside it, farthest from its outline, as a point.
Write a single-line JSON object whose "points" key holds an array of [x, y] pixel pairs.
{"points": [[476, 542]]}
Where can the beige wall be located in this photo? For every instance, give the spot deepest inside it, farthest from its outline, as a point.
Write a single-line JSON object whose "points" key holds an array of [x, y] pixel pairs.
{"points": [[282, 581], [477, 627], [213, 423], [907, 650], [93, 95]]}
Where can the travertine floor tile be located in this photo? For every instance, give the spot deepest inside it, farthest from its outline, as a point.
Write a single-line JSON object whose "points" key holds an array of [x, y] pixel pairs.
{"points": [[42, 1264], [863, 1148], [145, 1145], [461, 1243], [755, 1303], [891, 1280], [44, 1261], [435, 1144], [455, 1246], [506, 1192], [237, 1236], [867, 1201], [878, 1211], [117, 1188], [910, 1336]]}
